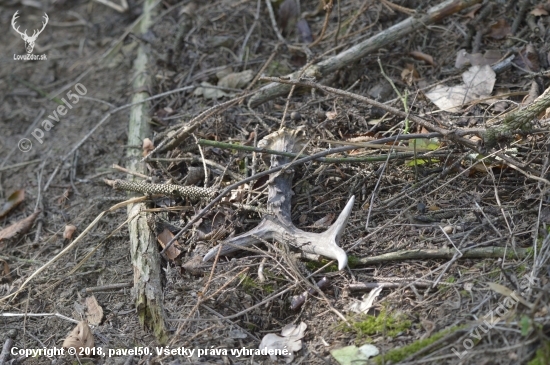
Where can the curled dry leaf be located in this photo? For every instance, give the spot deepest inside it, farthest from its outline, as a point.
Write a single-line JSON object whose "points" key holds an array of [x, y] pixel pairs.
{"points": [[325, 221], [13, 201], [464, 58], [500, 29], [289, 343], [147, 146], [80, 337], [236, 80], [421, 56], [367, 302], [95, 312], [409, 74], [69, 230], [538, 11], [331, 115], [18, 227], [172, 253], [4, 272]]}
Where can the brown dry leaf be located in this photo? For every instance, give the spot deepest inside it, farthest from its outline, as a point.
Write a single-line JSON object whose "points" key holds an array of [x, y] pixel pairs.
{"points": [[421, 56], [18, 227], [236, 80], [538, 11], [69, 230], [325, 221], [464, 58], [5, 272], [499, 29], [409, 74], [13, 201], [528, 59], [163, 239], [472, 13], [147, 146], [331, 115], [95, 312], [80, 337]]}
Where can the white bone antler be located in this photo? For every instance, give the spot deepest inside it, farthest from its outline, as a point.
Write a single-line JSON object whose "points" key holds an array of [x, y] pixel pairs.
{"points": [[29, 40], [277, 225]]}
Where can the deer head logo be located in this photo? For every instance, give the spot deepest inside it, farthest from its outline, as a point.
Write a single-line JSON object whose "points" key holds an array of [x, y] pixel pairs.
{"points": [[29, 41]]}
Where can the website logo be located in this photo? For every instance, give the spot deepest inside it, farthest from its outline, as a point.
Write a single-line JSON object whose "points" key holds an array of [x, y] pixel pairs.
{"points": [[29, 40]]}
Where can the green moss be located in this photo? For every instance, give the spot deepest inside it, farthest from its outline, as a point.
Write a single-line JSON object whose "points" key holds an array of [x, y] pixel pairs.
{"points": [[249, 285], [316, 265], [542, 357], [384, 323], [396, 355], [353, 261]]}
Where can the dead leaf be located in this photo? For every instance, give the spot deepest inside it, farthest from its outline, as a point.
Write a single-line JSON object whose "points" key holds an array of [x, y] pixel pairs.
{"points": [[172, 253], [289, 343], [18, 227], [236, 80], [464, 58], [5, 272], [147, 146], [13, 201], [95, 312], [208, 92], [538, 11], [499, 29], [528, 59], [478, 84], [79, 338], [352, 355], [501, 289], [367, 303], [325, 221], [472, 13], [421, 56], [331, 115], [69, 230], [409, 74]]}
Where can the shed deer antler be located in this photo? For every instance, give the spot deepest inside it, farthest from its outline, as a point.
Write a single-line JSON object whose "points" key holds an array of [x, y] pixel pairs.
{"points": [[277, 225], [29, 41]]}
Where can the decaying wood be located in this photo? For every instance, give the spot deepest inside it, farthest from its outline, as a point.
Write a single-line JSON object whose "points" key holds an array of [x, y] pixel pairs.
{"points": [[143, 244], [345, 58], [277, 224]]}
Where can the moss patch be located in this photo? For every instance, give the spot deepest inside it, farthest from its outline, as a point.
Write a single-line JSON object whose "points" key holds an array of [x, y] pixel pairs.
{"points": [[385, 323], [398, 354], [542, 356]]}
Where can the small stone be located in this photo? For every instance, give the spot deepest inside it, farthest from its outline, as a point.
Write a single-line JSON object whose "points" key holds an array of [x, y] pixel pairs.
{"points": [[295, 116]]}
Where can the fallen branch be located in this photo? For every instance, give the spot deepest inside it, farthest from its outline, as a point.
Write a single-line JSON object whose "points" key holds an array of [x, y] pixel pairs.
{"points": [[148, 294], [445, 253], [347, 57], [517, 122]]}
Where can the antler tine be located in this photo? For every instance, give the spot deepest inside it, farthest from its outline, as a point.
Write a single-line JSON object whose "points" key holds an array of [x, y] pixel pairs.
{"points": [[13, 19], [43, 24], [277, 224]]}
